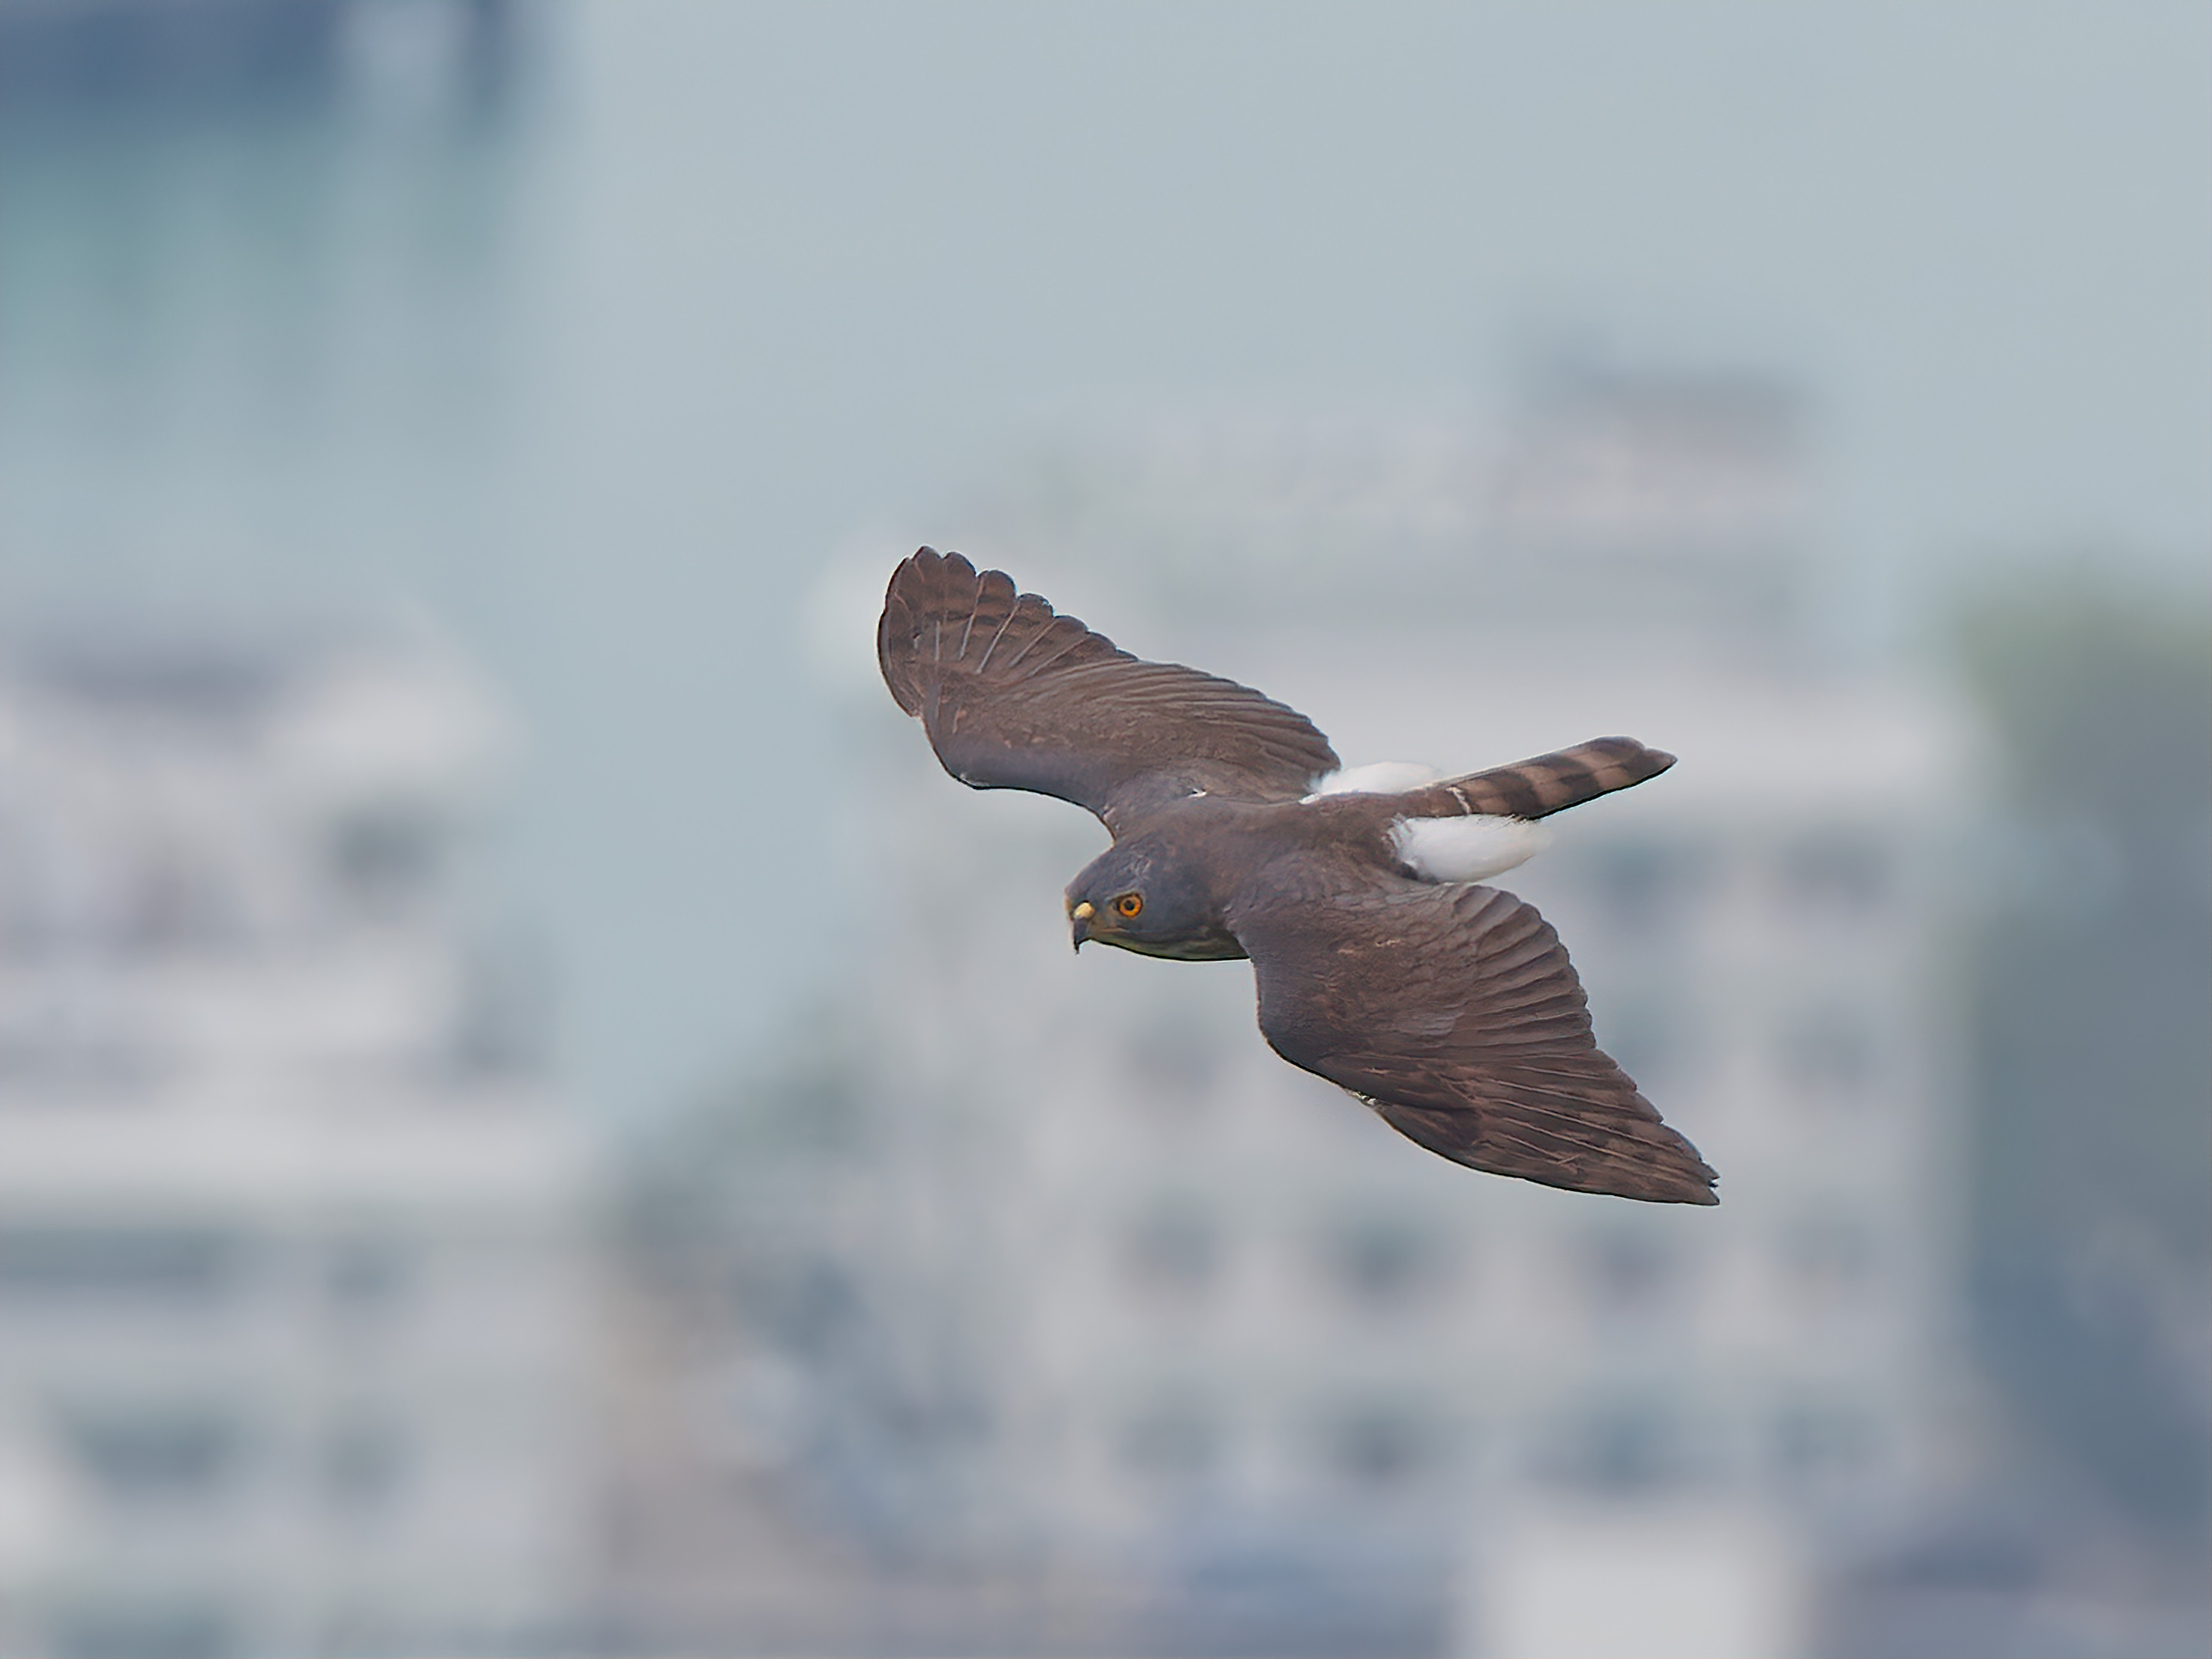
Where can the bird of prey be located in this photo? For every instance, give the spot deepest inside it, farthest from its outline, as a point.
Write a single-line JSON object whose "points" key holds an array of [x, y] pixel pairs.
{"points": [[1382, 964]]}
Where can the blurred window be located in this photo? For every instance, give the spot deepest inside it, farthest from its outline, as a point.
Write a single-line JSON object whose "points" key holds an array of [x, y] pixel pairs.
{"points": [[140, 1629], [1627, 1272], [1650, 886], [181, 63], [799, 1296], [1829, 1259], [163, 1264], [1173, 1439], [1378, 1445], [1383, 1262], [1177, 1066], [385, 860], [171, 898], [1626, 1447], [1841, 874], [365, 1460], [367, 1276], [147, 1453], [1829, 1056], [1817, 1442], [1174, 1250]]}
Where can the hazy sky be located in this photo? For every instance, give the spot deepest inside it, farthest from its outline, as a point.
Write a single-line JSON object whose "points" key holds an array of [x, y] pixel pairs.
{"points": [[1982, 234], [745, 280]]}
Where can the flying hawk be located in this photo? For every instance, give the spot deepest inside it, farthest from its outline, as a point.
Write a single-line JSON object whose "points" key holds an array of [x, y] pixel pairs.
{"points": [[1449, 1007]]}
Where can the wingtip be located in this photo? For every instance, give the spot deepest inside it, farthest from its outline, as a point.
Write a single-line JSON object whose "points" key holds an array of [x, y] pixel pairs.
{"points": [[926, 564], [1694, 1181], [1701, 1183], [911, 577], [1672, 1189]]}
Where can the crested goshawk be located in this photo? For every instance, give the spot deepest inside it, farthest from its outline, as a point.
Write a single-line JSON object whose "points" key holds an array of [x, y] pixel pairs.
{"points": [[1448, 1006]]}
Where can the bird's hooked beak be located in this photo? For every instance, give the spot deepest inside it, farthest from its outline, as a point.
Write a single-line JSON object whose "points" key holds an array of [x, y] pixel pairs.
{"points": [[1078, 916]]}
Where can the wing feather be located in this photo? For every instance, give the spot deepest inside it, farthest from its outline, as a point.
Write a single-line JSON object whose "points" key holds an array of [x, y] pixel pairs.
{"points": [[1014, 696], [1454, 1011]]}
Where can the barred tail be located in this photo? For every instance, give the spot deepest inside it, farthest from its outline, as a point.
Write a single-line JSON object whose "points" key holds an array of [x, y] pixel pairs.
{"points": [[1537, 789]]}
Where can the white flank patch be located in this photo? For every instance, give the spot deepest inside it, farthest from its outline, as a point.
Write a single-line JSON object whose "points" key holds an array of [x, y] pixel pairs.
{"points": [[1383, 778], [1467, 850]]}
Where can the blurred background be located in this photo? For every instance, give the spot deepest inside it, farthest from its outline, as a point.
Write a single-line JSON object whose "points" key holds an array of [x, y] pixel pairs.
{"points": [[534, 1119]]}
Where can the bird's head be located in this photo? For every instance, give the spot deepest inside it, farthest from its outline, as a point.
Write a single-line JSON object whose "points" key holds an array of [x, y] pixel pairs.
{"points": [[1136, 894]]}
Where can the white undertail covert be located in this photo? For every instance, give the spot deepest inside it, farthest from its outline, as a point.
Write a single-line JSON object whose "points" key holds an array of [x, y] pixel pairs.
{"points": [[1467, 850], [1382, 778]]}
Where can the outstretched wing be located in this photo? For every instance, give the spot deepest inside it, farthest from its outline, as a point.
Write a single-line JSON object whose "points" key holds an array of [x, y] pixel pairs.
{"points": [[1014, 696], [1453, 1012]]}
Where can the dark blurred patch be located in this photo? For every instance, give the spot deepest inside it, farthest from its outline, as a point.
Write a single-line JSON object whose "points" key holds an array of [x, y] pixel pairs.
{"points": [[1384, 1264], [364, 1459], [1173, 1250], [146, 1454], [1837, 873], [184, 1265], [1620, 1445], [2093, 1022], [1830, 1258], [1380, 1445], [98, 62], [388, 861], [1828, 1057], [204, 683], [1815, 1441], [366, 1277], [1629, 1273], [142, 1628], [1296, 1585], [803, 1409], [1994, 1578], [1651, 884], [1177, 1439], [119, 56]]}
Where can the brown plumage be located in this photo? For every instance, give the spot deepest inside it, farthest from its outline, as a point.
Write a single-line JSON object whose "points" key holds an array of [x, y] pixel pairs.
{"points": [[1449, 1007], [1537, 789]]}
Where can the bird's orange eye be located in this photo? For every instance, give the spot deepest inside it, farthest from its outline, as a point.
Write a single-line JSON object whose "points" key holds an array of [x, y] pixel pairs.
{"points": [[1129, 904]]}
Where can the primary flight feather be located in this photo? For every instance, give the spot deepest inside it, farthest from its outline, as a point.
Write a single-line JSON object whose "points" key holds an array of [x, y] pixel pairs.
{"points": [[1449, 1007]]}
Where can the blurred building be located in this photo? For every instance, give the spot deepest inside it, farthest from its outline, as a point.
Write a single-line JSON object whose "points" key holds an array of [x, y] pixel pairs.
{"points": [[136, 59], [292, 1297], [1276, 1380]]}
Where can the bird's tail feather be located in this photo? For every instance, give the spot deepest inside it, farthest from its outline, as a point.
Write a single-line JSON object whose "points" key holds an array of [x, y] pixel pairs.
{"points": [[1536, 788]]}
